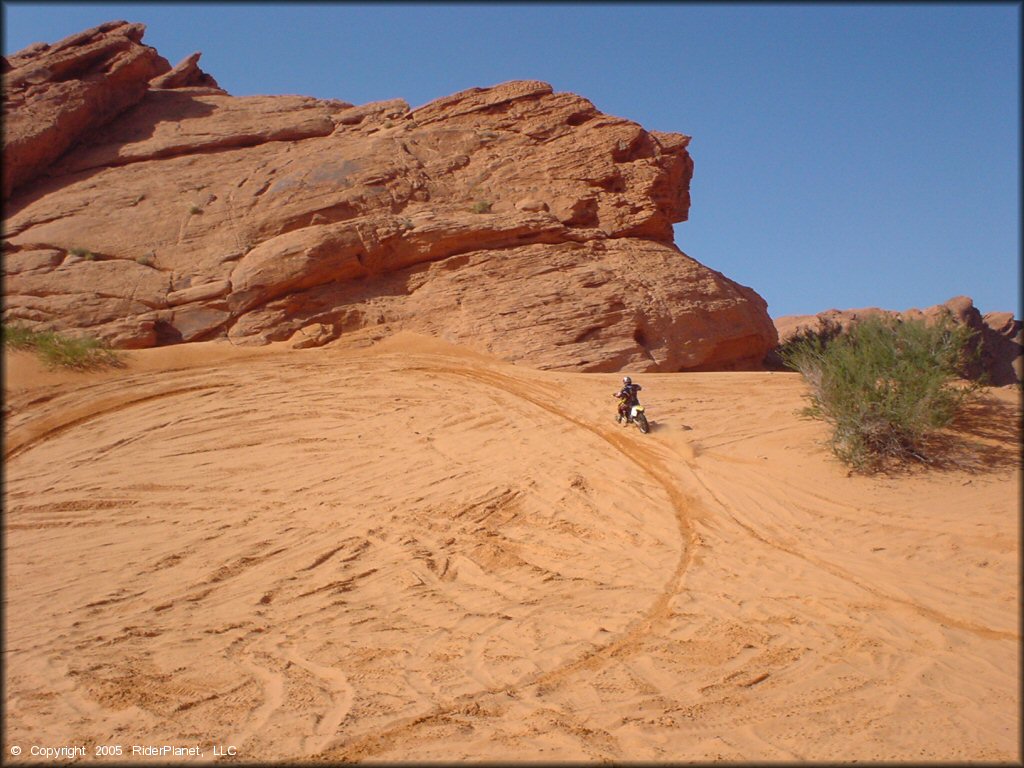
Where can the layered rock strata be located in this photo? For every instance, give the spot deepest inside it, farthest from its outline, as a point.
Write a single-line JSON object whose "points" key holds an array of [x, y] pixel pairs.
{"points": [[512, 219]]}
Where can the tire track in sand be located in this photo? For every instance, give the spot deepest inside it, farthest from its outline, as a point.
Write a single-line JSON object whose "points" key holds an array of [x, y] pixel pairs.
{"points": [[932, 614], [273, 698], [33, 433], [27, 436], [335, 680], [626, 642]]}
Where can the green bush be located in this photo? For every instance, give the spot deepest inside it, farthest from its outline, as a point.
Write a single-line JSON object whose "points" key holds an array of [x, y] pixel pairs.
{"points": [[83, 253], [60, 351], [481, 206], [885, 387]]}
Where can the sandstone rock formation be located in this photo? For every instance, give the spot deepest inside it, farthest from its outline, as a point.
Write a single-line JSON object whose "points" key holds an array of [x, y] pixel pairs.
{"points": [[512, 219], [54, 95], [999, 335]]}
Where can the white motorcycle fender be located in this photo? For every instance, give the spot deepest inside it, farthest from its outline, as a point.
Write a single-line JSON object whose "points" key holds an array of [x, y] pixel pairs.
{"points": [[635, 410]]}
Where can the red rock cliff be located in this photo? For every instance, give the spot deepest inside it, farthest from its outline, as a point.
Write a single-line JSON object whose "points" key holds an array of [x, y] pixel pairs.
{"points": [[512, 219]]}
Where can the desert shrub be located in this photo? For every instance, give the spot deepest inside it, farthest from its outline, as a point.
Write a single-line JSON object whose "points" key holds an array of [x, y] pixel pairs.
{"points": [[481, 206], [83, 253], [885, 386], [57, 350], [827, 330]]}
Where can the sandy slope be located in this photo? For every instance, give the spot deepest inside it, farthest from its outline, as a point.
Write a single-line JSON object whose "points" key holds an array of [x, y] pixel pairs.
{"points": [[409, 552]]}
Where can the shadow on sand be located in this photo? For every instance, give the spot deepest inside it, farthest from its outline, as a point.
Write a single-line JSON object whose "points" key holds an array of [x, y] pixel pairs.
{"points": [[984, 437]]}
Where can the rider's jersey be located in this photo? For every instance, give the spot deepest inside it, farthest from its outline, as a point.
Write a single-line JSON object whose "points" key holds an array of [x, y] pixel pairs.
{"points": [[628, 393]]}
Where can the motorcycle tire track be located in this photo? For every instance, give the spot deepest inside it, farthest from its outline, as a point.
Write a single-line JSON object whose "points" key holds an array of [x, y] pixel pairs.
{"points": [[18, 443], [627, 642], [342, 697], [929, 613]]}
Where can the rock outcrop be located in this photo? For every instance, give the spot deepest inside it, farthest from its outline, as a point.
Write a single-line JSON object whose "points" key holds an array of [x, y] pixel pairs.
{"points": [[512, 219], [998, 334], [55, 94]]}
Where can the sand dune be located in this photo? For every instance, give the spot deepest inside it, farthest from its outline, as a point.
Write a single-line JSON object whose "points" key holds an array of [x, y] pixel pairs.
{"points": [[407, 551]]}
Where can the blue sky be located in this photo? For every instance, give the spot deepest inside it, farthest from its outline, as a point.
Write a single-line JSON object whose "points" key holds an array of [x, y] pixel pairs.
{"points": [[845, 155]]}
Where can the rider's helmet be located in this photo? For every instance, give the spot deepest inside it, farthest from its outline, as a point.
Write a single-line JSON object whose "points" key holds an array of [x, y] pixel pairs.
{"points": [[626, 380]]}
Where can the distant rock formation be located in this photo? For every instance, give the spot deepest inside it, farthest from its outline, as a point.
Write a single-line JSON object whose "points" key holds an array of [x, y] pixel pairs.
{"points": [[146, 206], [998, 333]]}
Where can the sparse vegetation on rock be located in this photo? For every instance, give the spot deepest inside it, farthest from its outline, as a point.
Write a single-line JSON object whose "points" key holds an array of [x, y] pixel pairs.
{"points": [[60, 351], [83, 253]]}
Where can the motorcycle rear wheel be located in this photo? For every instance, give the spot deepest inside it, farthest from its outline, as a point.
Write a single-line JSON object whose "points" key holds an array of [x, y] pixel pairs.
{"points": [[641, 421]]}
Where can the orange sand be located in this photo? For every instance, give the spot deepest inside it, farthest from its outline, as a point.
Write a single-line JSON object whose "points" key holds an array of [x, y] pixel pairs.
{"points": [[408, 552]]}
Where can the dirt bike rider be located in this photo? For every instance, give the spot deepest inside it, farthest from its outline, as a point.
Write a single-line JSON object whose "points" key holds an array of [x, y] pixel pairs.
{"points": [[627, 397]]}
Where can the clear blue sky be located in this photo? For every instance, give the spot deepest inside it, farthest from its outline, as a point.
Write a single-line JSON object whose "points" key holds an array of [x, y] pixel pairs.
{"points": [[845, 155]]}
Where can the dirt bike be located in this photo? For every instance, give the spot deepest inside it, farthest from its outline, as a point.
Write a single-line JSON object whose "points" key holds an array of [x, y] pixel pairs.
{"points": [[636, 416]]}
